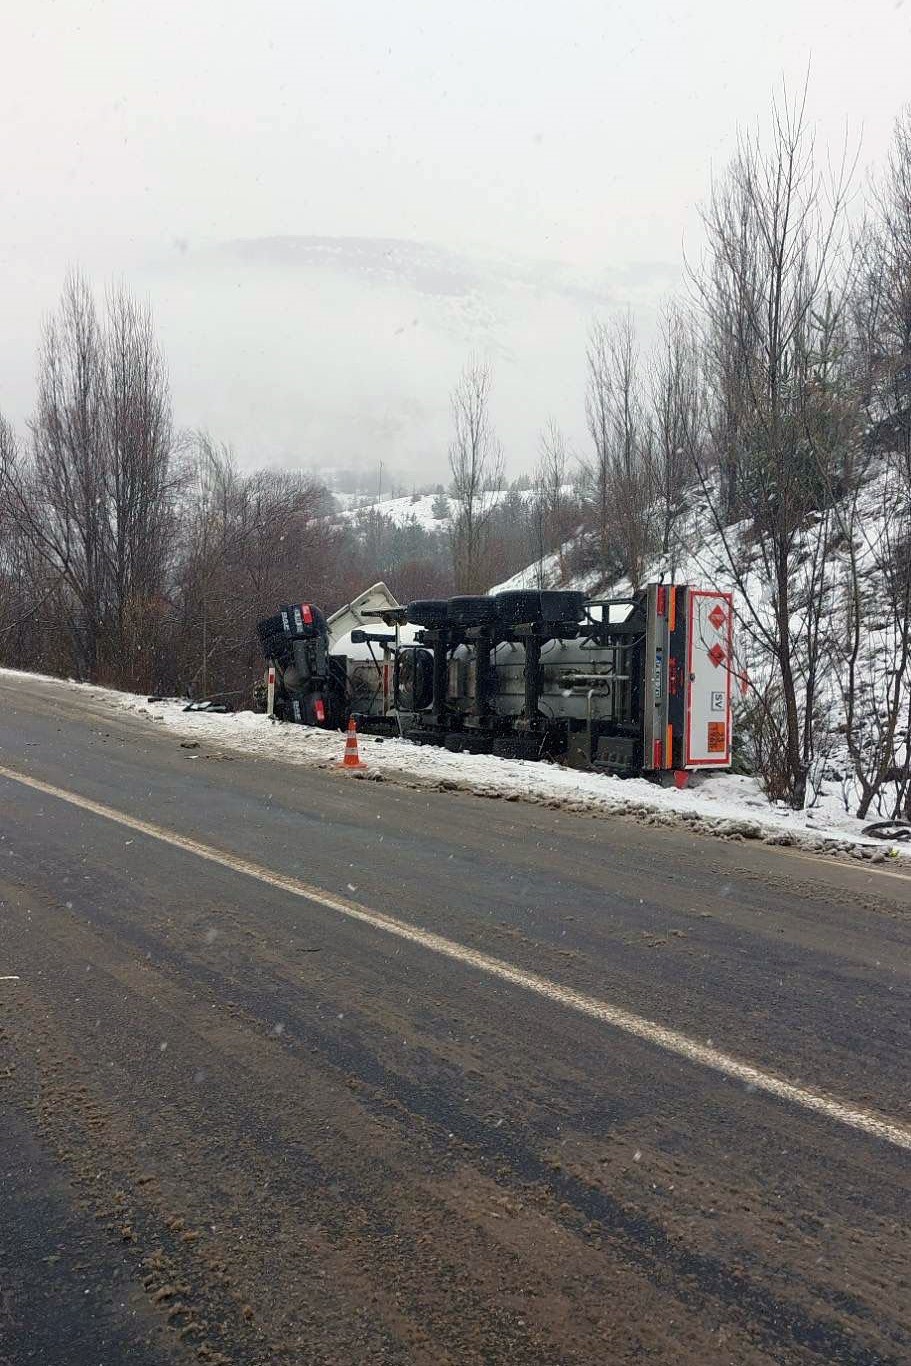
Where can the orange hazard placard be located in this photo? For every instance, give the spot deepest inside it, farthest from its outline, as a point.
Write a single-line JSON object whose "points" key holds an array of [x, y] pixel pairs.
{"points": [[718, 737]]}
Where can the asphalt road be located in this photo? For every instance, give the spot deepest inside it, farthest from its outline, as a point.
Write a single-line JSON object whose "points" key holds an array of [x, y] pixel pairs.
{"points": [[239, 1125]]}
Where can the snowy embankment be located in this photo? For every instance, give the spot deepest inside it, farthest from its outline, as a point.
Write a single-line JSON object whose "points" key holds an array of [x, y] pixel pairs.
{"points": [[705, 557], [400, 511], [721, 804]]}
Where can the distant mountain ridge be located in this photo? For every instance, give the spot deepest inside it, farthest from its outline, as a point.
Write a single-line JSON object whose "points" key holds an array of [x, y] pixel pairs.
{"points": [[328, 351], [430, 268]]}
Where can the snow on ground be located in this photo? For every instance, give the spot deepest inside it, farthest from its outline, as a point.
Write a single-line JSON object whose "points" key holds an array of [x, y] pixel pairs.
{"points": [[400, 511], [728, 805], [419, 507], [545, 573]]}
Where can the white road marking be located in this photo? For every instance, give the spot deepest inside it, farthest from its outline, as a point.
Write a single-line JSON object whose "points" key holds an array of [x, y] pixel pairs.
{"points": [[671, 1040], [9, 979]]}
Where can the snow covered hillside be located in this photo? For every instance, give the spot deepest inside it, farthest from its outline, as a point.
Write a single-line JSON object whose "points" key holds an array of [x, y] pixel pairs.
{"points": [[419, 508], [732, 559], [400, 511]]}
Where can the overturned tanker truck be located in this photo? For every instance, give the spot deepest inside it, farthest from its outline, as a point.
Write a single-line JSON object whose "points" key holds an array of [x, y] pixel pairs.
{"points": [[626, 686]]}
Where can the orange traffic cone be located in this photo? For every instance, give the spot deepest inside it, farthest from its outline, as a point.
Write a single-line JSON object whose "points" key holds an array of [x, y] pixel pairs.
{"points": [[352, 757]]}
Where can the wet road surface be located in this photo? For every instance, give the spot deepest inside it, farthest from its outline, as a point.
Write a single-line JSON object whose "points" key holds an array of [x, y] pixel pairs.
{"points": [[236, 1125]]}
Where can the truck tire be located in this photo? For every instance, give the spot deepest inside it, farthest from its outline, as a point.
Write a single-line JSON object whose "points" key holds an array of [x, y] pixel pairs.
{"points": [[474, 611], [304, 709], [289, 624], [432, 613], [276, 642], [298, 628], [520, 606]]}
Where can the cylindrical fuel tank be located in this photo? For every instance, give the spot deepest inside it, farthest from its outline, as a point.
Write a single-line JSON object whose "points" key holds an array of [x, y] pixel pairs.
{"points": [[569, 670]]}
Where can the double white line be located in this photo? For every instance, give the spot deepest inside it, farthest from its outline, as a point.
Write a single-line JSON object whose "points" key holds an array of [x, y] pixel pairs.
{"points": [[671, 1040]]}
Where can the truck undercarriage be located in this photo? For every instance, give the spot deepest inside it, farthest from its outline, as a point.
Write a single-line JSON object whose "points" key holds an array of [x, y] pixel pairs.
{"points": [[640, 684]]}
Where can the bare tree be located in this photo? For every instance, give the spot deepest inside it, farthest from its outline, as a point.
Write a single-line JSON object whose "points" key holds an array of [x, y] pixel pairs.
{"points": [[894, 204], [140, 477], [596, 471], [63, 503], [677, 418], [873, 632], [12, 606], [93, 498], [249, 541], [872, 642], [550, 504], [151, 557], [476, 466], [29, 589], [9, 450], [616, 477], [772, 297]]}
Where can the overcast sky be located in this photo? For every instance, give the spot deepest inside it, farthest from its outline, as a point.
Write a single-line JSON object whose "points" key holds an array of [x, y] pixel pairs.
{"points": [[583, 133]]}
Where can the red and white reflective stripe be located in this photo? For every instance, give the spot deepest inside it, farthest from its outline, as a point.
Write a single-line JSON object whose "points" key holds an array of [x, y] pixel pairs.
{"points": [[270, 691], [319, 709]]}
